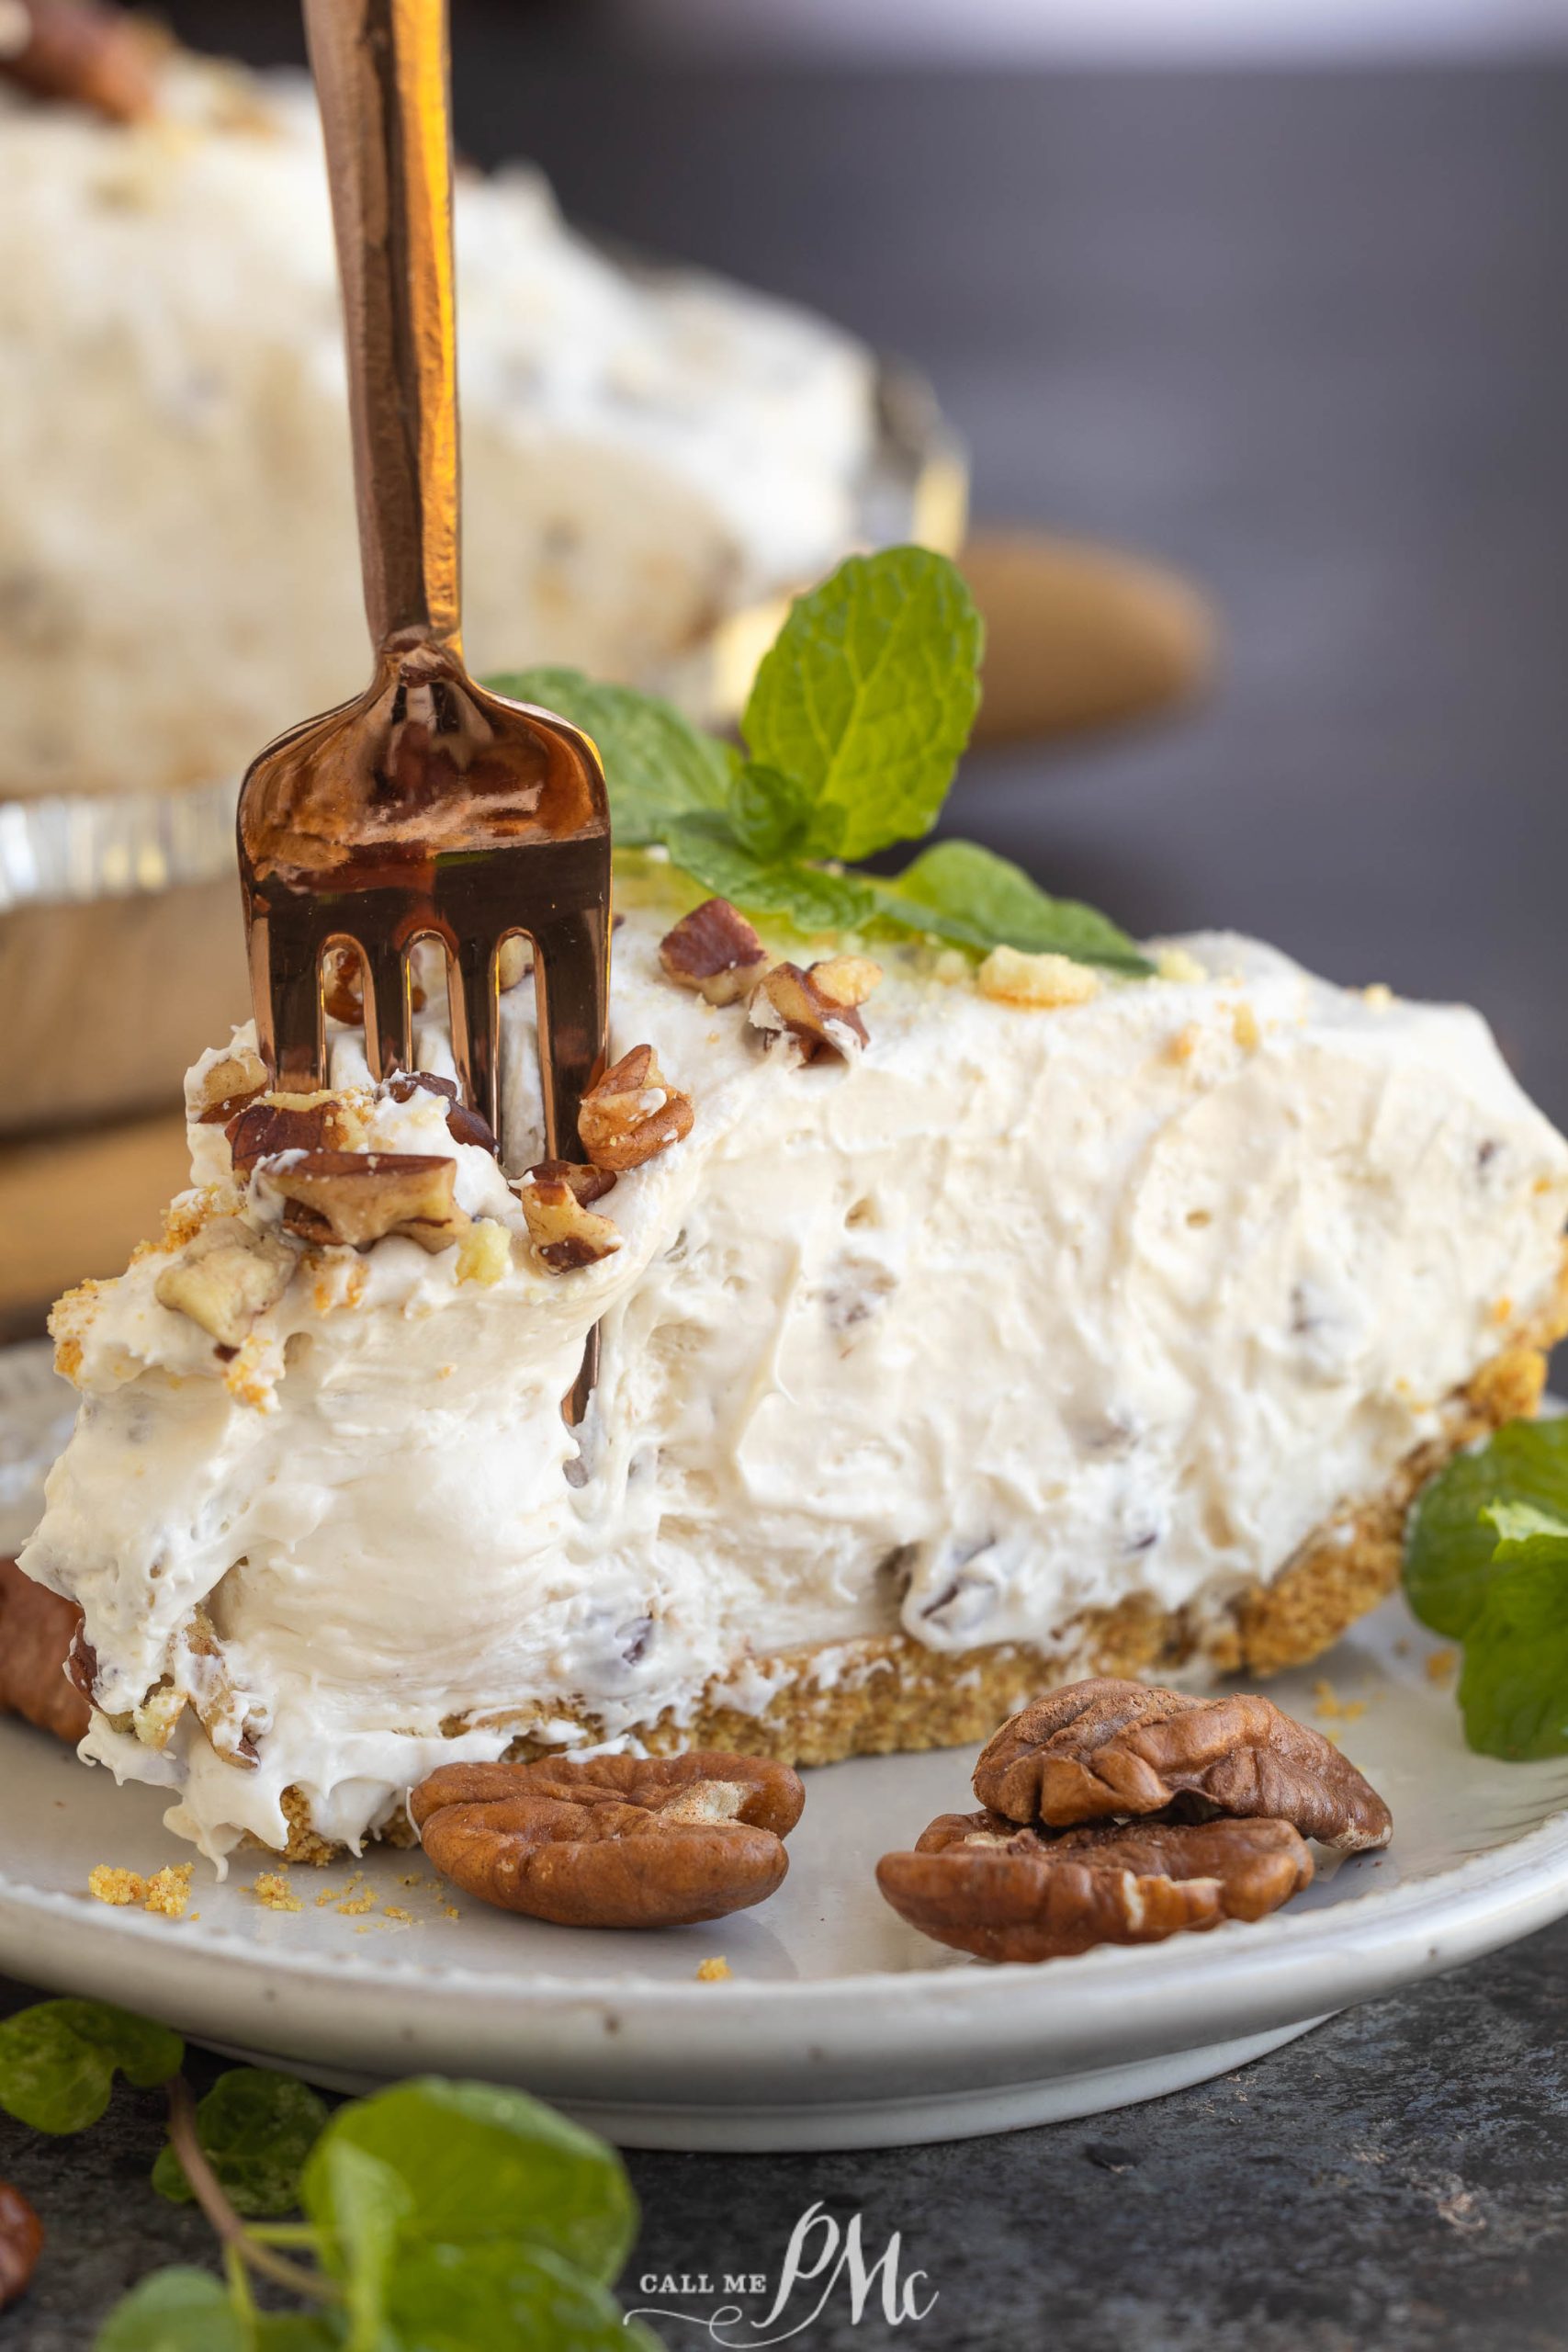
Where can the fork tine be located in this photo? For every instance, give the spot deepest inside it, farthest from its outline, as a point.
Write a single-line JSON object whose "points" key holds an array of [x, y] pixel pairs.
{"points": [[388, 1006], [571, 976], [285, 989], [474, 994]]}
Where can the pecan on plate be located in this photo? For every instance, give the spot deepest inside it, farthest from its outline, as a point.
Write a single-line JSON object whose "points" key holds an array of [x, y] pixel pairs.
{"points": [[36, 1632], [979, 1883], [633, 1112], [462, 1125], [613, 1841], [359, 1197], [714, 950], [819, 1008], [21, 2240], [96, 57], [563, 1229], [1097, 1749], [226, 1276]]}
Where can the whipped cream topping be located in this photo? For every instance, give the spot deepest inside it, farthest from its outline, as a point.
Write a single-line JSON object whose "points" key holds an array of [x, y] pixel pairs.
{"points": [[178, 559], [1017, 1314]]}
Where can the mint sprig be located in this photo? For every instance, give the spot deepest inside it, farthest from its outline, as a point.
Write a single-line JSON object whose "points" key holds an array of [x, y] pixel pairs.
{"points": [[852, 730], [438, 2216], [1486, 1564]]}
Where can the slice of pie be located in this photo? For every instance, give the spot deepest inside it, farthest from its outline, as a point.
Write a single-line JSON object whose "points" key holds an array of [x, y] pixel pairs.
{"points": [[959, 1331]]}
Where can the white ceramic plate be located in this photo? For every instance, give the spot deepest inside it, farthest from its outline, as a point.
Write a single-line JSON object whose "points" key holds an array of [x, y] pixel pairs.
{"points": [[840, 2026]]}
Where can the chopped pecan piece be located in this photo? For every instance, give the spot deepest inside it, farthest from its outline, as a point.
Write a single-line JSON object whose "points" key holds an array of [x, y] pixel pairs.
{"points": [[226, 1276], [343, 988], [714, 950], [633, 1112], [359, 1197], [289, 1122], [1097, 1749], [563, 1229], [514, 963], [979, 1883], [462, 1125], [797, 1005], [37, 1629], [21, 2241], [227, 1085], [74, 50], [613, 1841]]}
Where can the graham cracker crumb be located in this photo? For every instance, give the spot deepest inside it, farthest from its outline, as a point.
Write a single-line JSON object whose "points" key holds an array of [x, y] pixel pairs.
{"points": [[396, 1911], [1441, 1664], [168, 1890], [1329, 1707], [714, 1971], [108, 1884], [272, 1890]]}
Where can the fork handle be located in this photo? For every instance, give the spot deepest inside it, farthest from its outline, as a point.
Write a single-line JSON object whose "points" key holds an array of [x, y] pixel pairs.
{"points": [[381, 81]]}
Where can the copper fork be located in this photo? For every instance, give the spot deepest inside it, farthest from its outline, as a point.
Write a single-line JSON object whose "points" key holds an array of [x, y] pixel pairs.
{"points": [[428, 807]]}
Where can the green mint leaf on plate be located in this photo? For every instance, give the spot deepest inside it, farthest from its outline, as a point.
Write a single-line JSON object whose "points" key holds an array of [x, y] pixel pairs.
{"points": [[58, 2061], [1449, 1546], [708, 849], [173, 2310], [867, 697], [478, 2162], [476, 2297], [1513, 1691], [257, 2128], [657, 765], [969, 894]]}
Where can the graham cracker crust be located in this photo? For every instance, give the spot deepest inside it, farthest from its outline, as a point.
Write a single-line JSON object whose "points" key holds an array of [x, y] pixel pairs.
{"points": [[887, 1693]]}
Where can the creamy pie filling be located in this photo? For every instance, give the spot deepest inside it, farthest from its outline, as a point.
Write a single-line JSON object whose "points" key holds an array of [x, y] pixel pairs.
{"points": [[1019, 1312]]}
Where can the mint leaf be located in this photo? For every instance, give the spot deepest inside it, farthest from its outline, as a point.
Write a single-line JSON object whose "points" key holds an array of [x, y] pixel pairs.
{"points": [[1449, 1547], [173, 2311], [657, 765], [478, 2163], [1513, 1691], [58, 2061], [475, 2298], [707, 849], [360, 2203], [867, 697], [969, 894], [257, 2128], [769, 815]]}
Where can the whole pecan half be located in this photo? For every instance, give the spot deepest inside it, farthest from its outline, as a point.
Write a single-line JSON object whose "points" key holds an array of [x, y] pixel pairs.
{"points": [[21, 2241], [633, 1112], [1097, 1749], [979, 1883], [613, 1841], [36, 1630]]}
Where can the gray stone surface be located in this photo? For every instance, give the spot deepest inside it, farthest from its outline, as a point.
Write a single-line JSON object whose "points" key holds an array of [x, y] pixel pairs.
{"points": [[1392, 2183]]}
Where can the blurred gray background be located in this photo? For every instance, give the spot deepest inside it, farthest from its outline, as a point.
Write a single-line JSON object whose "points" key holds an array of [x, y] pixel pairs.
{"points": [[1273, 292]]}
